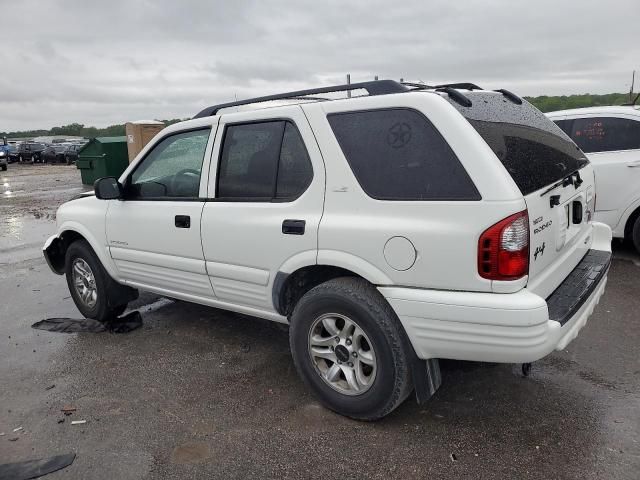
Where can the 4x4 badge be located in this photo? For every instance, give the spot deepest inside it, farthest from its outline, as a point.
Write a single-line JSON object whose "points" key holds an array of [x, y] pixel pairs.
{"points": [[539, 250]]}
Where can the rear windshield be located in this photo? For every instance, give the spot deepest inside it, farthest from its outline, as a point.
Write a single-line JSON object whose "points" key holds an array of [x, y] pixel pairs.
{"points": [[533, 149]]}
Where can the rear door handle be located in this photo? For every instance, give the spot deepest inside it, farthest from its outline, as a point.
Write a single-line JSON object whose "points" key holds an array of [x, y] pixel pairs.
{"points": [[293, 227], [183, 221], [635, 163]]}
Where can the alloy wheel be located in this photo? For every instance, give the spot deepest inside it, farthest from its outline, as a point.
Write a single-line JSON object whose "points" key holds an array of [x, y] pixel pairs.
{"points": [[342, 354], [84, 283]]}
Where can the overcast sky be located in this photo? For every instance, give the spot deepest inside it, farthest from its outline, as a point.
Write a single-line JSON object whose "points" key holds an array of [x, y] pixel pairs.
{"points": [[106, 62]]}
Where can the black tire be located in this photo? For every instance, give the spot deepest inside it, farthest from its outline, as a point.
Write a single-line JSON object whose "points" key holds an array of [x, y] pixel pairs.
{"points": [[4, 168], [106, 306], [362, 303], [635, 234]]}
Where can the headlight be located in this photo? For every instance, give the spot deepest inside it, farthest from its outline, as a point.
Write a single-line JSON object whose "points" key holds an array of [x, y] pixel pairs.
{"points": [[3, 153]]}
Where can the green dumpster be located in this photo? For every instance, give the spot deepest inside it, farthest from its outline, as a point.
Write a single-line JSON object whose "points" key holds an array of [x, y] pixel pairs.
{"points": [[102, 157]]}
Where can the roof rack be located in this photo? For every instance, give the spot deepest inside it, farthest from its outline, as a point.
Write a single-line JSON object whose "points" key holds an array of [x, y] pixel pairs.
{"points": [[451, 90], [456, 96], [377, 87], [510, 96], [461, 86]]}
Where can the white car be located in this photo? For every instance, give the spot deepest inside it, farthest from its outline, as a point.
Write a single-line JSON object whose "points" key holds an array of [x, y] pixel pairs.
{"points": [[610, 136], [387, 230]]}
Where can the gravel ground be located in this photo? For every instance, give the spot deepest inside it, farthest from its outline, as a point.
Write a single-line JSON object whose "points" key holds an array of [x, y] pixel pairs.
{"points": [[202, 393]]}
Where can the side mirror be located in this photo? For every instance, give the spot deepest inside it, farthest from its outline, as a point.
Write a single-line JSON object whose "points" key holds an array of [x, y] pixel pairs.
{"points": [[108, 188]]}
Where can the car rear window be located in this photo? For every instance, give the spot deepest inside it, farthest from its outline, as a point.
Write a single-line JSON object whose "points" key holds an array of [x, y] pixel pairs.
{"points": [[533, 149], [397, 154]]}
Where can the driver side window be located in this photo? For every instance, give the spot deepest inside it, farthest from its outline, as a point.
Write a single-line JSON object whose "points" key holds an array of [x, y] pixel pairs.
{"points": [[172, 168]]}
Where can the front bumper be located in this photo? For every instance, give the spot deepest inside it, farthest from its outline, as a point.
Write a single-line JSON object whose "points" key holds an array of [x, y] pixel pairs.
{"points": [[506, 328], [54, 254]]}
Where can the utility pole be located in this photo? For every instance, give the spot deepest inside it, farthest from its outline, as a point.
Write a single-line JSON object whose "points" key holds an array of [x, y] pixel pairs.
{"points": [[348, 83]]}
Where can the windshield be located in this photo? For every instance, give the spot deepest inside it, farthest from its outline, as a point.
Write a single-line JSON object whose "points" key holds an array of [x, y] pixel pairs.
{"points": [[533, 149]]}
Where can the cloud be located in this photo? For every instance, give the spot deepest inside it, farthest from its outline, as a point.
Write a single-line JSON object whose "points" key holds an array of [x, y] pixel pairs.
{"points": [[100, 63]]}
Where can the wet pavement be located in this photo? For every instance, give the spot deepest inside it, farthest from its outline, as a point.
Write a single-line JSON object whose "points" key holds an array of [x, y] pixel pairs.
{"points": [[201, 393]]}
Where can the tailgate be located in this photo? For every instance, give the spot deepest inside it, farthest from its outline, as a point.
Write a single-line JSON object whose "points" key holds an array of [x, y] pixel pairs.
{"points": [[560, 229]]}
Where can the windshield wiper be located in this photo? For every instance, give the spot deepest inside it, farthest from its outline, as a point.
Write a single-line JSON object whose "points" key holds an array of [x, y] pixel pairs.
{"points": [[566, 180]]}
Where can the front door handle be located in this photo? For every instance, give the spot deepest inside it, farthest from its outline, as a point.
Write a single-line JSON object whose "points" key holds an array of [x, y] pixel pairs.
{"points": [[183, 221], [293, 227], [635, 163]]}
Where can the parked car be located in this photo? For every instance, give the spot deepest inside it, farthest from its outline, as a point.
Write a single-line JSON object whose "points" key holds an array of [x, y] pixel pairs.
{"points": [[30, 151], [610, 136], [54, 153], [4, 154], [13, 153], [71, 154], [387, 230]]}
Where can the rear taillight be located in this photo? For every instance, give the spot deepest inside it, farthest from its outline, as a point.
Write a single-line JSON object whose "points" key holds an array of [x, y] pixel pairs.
{"points": [[503, 249]]}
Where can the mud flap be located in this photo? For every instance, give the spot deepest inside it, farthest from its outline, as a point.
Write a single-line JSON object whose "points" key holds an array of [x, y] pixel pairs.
{"points": [[426, 378]]}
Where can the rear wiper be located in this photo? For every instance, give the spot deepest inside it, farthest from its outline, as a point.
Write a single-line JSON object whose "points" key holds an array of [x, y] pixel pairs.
{"points": [[566, 180]]}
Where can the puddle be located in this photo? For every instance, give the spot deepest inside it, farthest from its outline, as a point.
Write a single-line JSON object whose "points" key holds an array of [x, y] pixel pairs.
{"points": [[22, 238]]}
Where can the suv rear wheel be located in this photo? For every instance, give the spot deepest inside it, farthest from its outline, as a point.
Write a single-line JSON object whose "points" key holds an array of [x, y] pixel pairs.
{"points": [[349, 348], [91, 287]]}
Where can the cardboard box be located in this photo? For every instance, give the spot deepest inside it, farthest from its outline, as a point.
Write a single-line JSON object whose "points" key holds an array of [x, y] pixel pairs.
{"points": [[139, 133]]}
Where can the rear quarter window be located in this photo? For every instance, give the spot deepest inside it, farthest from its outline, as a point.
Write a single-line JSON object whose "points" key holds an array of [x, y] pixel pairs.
{"points": [[397, 154]]}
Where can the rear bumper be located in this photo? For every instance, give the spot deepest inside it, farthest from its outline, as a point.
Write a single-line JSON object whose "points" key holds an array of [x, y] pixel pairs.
{"points": [[507, 328]]}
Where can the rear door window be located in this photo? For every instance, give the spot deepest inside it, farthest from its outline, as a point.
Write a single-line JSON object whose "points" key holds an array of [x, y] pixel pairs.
{"points": [[533, 149], [397, 154], [605, 134], [263, 161]]}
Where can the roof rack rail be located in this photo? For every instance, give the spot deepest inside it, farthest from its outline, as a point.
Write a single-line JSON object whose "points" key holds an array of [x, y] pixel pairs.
{"points": [[510, 95], [417, 85], [377, 87], [456, 96], [462, 86], [449, 89]]}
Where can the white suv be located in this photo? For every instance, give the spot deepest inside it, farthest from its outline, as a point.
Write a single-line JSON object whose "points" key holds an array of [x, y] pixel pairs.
{"points": [[610, 136], [410, 224]]}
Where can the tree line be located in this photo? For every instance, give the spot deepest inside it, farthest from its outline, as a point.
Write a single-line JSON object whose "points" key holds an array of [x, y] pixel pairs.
{"points": [[544, 102], [78, 130], [549, 104]]}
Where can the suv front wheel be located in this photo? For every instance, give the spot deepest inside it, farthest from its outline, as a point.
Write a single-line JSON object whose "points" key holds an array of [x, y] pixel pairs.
{"points": [[91, 287], [349, 348]]}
